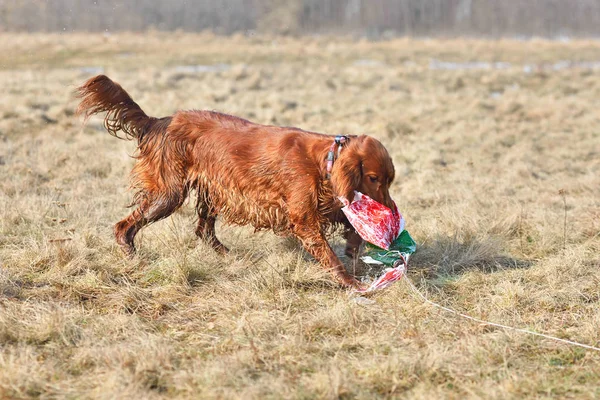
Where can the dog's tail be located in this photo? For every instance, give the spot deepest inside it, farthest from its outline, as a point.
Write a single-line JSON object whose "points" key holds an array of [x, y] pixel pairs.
{"points": [[100, 94]]}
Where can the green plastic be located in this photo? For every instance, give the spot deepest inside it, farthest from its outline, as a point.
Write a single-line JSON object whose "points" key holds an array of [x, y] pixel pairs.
{"points": [[403, 246]]}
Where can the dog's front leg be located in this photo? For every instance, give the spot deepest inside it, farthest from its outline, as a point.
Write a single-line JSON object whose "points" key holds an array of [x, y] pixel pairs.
{"points": [[313, 240], [353, 242]]}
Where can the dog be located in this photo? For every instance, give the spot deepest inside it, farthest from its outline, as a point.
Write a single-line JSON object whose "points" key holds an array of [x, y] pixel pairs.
{"points": [[280, 178]]}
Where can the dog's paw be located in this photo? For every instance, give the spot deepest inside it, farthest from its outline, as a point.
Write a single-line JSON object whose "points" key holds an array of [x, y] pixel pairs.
{"points": [[351, 282]]}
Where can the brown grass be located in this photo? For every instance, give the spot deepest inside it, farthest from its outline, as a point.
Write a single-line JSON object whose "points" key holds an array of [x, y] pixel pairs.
{"points": [[480, 155]]}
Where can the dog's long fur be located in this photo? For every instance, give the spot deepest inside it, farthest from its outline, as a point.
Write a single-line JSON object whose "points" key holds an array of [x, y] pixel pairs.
{"points": [[266, 176]]}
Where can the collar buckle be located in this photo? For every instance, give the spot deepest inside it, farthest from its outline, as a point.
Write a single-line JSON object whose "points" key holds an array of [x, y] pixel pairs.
{"points": [[339, 141]]}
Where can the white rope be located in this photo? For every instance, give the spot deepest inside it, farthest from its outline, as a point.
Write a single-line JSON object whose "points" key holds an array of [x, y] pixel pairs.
{"points": [[586, 346]]}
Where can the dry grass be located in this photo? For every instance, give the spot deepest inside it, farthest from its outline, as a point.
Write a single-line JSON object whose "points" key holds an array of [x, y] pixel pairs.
{"points": [[480, 155]]}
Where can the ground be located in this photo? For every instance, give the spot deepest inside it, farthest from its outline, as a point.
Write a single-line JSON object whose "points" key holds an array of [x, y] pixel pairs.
{"points": [[497, 151]]}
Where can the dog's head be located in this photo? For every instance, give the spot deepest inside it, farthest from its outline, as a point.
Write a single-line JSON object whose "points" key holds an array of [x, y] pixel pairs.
{"points": [[364, 165]]}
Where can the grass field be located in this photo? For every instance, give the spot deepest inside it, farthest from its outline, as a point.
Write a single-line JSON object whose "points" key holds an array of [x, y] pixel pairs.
{"points": [[498, 176]]}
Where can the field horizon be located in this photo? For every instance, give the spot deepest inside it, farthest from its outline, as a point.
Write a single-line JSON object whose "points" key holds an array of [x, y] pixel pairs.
{"points": [[497, 154]]}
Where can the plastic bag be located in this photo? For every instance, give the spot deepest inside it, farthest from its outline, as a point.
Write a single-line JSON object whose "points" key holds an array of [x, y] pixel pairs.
{"points": [[373, 221], [387, 241]]}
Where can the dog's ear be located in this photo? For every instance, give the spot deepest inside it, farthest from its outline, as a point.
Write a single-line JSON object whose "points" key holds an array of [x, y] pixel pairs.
{"points": [[346, 174]]}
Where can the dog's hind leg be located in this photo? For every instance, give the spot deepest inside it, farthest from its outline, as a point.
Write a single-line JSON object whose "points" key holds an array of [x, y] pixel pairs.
{"points": [[151, 209], [205, 229]]}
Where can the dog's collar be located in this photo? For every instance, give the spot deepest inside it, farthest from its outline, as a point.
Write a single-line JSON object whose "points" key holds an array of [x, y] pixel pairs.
{"points": [[339, 141]]}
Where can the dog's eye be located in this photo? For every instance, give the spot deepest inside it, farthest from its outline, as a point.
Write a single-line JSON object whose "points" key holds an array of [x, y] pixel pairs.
{"points": [[373, 178]]}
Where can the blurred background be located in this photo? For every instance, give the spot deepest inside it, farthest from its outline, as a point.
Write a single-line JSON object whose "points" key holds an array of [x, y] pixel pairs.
{"points": [[373, 18]]}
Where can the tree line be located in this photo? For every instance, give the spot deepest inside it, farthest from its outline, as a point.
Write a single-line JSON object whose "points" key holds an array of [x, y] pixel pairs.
{"points": [[488, 18]]}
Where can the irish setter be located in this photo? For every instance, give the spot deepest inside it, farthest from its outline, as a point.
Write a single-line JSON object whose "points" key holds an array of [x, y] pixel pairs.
{"points": [[267, 176]]}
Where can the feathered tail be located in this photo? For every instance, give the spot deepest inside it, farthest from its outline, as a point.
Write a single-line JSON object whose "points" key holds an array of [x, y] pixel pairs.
{"points": [[100, 94]]}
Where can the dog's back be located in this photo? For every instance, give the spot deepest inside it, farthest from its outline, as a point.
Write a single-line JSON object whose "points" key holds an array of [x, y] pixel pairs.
{"points": [[243, 170]]}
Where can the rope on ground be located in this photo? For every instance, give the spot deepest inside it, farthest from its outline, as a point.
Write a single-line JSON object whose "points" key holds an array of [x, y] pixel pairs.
{"points": [[422, 296]]}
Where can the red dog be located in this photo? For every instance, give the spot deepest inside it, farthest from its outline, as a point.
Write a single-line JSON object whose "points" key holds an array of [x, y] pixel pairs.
{"points": [[270, 177]]}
